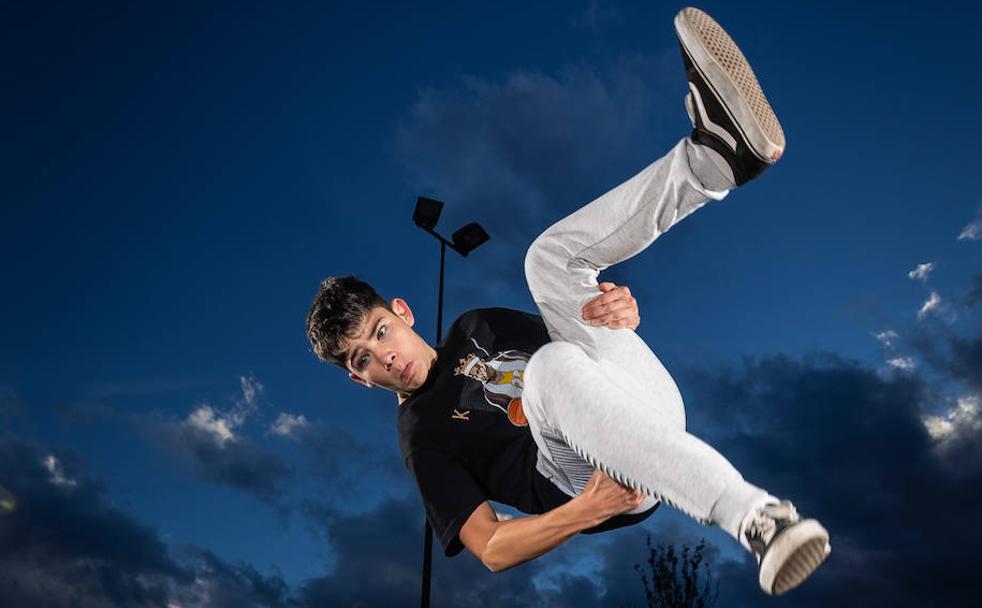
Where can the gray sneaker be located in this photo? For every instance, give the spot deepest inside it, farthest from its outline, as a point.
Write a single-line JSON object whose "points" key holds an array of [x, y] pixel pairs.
{"points": [[727, 107], [788, 549]]}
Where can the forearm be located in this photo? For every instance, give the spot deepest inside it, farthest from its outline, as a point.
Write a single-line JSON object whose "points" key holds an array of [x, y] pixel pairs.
{"points": [[517, 541]]}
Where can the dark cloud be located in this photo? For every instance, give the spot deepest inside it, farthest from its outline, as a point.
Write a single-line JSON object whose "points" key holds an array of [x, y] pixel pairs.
{"points": [[949, 354], [219, 584], [520, 153], [965, 361], [973, 297], [65, 545], [236, 462], [850, 447], [340, 458], [380, 547], [11, 405], [384, 546], [212, 441]]}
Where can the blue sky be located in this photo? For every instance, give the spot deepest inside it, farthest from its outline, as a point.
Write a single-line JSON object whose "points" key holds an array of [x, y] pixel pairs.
{"points": [[177, 180]]}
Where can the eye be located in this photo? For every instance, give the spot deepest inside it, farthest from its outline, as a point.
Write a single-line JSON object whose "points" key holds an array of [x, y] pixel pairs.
{"points": [[362, 361], [381, 332]]}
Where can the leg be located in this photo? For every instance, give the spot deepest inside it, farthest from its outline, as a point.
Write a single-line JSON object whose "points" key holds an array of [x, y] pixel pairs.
{"points": [[563, 263], [572, 400]]}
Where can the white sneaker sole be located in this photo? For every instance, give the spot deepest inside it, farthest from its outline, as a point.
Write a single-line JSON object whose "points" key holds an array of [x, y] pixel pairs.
{"points": [[793, 556], [726, 70]]}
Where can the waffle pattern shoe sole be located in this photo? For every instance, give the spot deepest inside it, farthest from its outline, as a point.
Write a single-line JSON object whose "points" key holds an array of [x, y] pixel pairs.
{"points": [[729, 111], [793, 555]]}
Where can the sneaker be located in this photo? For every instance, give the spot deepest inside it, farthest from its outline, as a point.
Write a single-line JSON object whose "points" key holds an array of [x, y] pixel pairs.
{"points": [[726, 105], [788, 548]]}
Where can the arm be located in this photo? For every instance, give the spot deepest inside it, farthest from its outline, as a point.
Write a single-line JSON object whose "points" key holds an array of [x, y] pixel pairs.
{"points": [[615, 308], [503, 544]]}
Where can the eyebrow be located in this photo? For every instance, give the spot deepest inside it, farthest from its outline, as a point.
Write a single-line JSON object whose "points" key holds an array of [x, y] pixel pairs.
{"points": [[352, 360]]}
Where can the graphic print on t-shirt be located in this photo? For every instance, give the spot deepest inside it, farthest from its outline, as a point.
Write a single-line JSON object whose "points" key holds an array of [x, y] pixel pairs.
{"points": [[500, 380]]}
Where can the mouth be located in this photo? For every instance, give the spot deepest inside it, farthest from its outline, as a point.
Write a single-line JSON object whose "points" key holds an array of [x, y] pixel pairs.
{"points": [[406, 371]]}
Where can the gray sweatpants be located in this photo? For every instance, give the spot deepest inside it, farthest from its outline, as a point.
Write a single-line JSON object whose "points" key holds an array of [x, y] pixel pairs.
{"points": [[597, 397]]}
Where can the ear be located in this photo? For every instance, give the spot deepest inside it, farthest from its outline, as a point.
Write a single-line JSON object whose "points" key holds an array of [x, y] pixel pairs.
{"points": [[402, 310], [359, 380]]}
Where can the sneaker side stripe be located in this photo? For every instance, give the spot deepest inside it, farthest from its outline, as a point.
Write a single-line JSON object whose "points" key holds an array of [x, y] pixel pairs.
{"points": [[708, 124], [729, 113]]}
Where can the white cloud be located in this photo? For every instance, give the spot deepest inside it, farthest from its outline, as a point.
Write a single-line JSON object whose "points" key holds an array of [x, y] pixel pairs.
{"points": [[221, 425], [287, 425], [904, 363], [971, 232], [251, 388], [56, 474], [964, 416], [894, 360], [931, 304], [217, 425], [249, 402], [886, 337], [921, 271]]}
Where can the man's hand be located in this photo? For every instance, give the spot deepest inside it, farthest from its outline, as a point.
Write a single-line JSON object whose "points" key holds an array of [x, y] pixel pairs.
{"points": [[615, 308], [501, 545], [604, 498]]}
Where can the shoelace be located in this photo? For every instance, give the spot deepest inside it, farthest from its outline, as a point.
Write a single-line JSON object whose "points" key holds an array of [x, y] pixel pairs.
{"points": [[764, 523]]}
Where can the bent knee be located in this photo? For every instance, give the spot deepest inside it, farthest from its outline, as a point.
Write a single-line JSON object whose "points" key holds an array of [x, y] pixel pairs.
{"points": [[552, 356], [535, 263], [546, 259]]}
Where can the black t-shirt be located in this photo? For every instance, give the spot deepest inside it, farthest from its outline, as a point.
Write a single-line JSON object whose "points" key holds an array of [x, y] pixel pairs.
{"points": [[463, 434]]}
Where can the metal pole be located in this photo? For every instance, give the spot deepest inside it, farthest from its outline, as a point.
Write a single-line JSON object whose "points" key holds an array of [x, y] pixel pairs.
{"points": [[439, 306], [424, 600]]}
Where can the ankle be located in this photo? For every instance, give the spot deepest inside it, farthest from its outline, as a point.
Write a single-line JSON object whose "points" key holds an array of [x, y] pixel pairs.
{"points": [[710, 168]]}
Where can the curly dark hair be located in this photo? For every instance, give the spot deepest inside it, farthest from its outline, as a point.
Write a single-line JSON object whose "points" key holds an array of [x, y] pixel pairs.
{"points": [[340, 306]]}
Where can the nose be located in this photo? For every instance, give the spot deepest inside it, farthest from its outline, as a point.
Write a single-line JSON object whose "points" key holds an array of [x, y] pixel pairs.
{"points": [[389, 360]]}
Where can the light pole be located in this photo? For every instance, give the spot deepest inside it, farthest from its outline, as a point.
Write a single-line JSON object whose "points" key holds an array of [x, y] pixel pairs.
{"points": [[465, 240]]}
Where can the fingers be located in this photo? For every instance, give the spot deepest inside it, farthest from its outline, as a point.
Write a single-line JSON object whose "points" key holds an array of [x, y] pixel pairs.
{"points": [[629, 499], [616, 315], [611, 295], [610, 496], [615, 308]]}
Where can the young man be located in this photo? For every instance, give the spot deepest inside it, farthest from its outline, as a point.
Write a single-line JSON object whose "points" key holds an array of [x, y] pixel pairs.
{"points": [[578, 423]]}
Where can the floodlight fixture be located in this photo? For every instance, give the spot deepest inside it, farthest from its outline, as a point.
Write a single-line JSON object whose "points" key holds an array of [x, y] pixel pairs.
{"points": [[469, 238], [427, 212]]}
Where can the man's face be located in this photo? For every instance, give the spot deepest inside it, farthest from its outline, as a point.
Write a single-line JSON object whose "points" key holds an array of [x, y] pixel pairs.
{"points": [[386, 352]]}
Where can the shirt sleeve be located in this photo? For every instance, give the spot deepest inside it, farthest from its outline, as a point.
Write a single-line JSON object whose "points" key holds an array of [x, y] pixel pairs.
{"points": [[450, 495]]}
